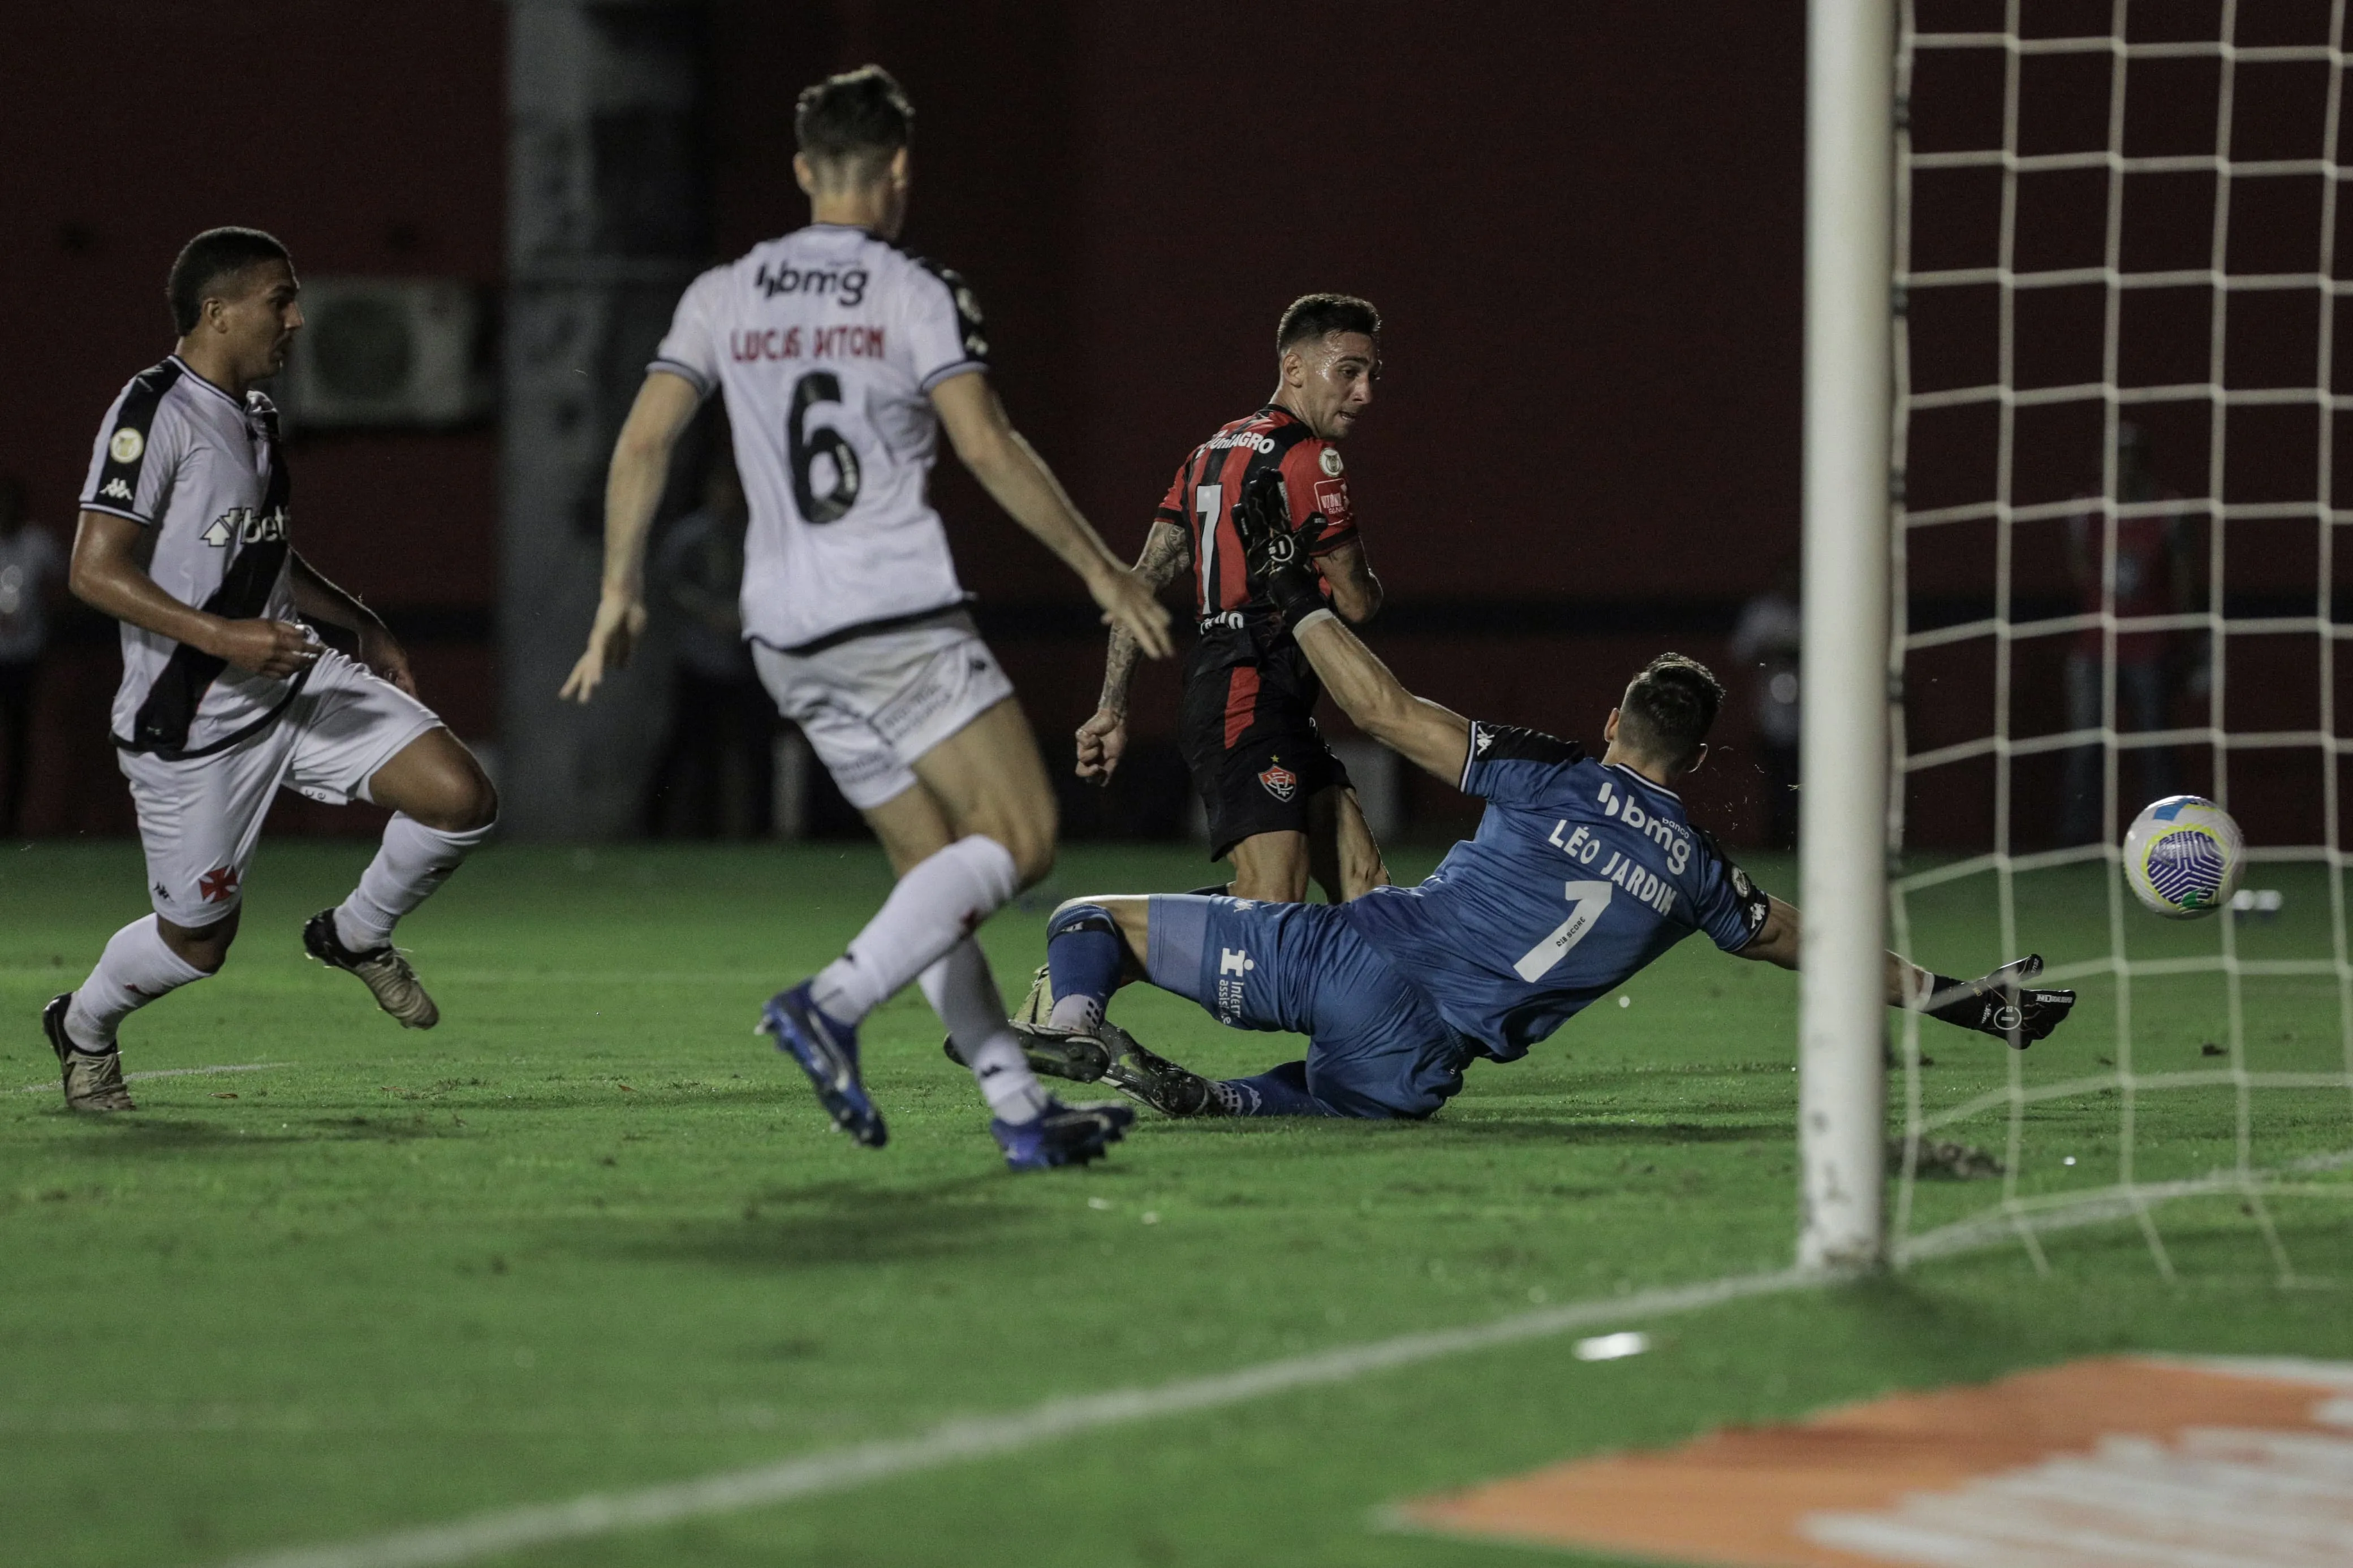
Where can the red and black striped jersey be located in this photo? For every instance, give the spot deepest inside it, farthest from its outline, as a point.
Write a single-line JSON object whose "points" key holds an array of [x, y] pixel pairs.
{"points": [[1209, 485]]}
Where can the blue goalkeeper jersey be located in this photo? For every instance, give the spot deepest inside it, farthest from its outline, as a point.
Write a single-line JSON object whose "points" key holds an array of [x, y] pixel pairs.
{"points": [[1581, 872]]}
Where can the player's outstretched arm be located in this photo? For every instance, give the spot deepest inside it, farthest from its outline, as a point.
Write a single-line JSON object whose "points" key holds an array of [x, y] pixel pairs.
{"points": [[633, 491], [320, 600], [1423, 733], [106, 575], [1009, 469], [1167, 550], [2000, 1004]]}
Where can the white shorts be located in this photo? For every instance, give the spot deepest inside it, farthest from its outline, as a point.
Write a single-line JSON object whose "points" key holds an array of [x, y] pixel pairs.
{"points": [[872, 705], [199, 819]]}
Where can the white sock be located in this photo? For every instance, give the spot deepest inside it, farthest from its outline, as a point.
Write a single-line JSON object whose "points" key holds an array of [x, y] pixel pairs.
{"points": [[963, 994], [415, 860], [135, 969], [935, 906], [1083, 1014]]}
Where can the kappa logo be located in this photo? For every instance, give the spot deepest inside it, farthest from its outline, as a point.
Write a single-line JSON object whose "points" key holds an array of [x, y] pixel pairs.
{"points": [[1280, 781], [1485, 739], [115, 489], [1330, 458], [127, 445]]}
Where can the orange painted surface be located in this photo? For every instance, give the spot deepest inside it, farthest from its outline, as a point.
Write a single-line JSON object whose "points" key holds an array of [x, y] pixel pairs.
{"points": [[1737, 1496]]}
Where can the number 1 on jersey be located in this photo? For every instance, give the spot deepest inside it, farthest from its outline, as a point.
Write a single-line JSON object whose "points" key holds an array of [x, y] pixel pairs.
{"points": [[1587, 900]]}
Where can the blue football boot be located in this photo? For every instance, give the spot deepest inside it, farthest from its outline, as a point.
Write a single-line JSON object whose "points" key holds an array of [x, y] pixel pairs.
{"points": [[828, 1052], [1063, 1135]]}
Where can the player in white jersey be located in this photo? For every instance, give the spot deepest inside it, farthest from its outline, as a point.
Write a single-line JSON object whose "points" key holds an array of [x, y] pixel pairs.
{"points": [[226, 696], [840, 357]]}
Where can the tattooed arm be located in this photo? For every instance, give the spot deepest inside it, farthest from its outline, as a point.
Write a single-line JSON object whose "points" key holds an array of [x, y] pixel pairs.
{"points": [[1167, 550]]}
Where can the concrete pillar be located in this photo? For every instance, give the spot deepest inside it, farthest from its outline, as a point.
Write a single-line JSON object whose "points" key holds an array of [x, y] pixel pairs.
{"points": [[608, 218]]}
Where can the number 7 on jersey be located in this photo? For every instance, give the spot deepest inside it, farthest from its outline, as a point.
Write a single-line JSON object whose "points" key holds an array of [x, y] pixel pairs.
{"points": [[1587, 900]]}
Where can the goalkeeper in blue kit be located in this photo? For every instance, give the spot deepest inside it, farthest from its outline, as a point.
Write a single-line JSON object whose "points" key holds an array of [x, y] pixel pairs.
{"points": [[1583, 870]]}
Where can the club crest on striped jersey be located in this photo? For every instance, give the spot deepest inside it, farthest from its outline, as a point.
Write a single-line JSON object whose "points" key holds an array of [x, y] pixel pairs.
{"points": [[127, 445], [1330, 458]]}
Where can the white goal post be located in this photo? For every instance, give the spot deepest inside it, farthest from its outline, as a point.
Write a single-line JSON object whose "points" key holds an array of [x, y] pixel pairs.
{"points": [[1843, 755]]}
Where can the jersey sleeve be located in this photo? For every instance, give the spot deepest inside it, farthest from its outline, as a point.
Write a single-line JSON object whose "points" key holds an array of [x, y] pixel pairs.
{"points": [[1171, 505], [942, 325], [1731, 909], [1516, 766], [138, 454], [1314, 479], [689, 349]]}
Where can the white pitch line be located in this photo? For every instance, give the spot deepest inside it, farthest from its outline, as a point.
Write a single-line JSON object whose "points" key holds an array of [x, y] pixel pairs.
{"points": [[50, 1085], [988, 1437]]}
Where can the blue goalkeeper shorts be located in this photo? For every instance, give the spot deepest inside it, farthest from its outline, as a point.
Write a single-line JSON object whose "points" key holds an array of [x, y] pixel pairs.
{"points": [[1378, 1047]]}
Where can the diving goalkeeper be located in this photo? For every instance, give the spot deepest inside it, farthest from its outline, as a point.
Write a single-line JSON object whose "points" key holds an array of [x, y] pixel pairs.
{"points": [[1582, 871]]}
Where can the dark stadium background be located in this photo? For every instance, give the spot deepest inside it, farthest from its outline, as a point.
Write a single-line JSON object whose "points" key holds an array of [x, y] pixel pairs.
{"points": [[1582, 223]]}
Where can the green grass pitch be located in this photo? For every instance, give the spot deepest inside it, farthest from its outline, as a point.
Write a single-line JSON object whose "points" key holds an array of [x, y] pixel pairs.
{"points": [[591, 1234]]}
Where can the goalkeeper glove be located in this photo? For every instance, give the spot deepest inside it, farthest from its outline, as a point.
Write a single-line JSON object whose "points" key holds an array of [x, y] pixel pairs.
{"points": [[1275, 552], [2000, 1004]]}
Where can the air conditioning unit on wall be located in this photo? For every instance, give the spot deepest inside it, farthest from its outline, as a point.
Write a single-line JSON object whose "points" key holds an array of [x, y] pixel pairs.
{"points": [[388, 351]]}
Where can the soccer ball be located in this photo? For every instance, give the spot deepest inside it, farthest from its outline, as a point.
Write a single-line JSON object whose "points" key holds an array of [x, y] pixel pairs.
{"points": [[2182, 857]]}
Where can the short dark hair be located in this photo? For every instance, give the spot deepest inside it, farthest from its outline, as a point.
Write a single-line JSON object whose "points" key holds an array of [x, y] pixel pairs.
{"points": [[1313, 315], [215, 254], [1671, 706], [857, 119]]}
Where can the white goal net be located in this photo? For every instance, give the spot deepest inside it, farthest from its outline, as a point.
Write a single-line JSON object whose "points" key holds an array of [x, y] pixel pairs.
{"points": [[2116, 569]]}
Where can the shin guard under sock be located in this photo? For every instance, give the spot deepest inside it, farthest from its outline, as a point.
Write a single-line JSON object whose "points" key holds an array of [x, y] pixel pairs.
{"points": [[135, 969], [963, 994], [413, 861], [937, 905], [1084, 954]]}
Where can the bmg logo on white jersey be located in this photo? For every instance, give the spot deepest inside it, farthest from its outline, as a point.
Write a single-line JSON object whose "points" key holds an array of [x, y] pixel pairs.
{"points": [[847, 287], [244, 525]]}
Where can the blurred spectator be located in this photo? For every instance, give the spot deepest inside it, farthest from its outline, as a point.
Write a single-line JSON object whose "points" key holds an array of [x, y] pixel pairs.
{"points": [[32, 570], [714, 775], [1764, 643], [2155, 573]]}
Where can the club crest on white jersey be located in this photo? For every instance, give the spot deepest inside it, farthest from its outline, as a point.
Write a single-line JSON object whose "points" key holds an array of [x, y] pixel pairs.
{"points": [[827, 344]]}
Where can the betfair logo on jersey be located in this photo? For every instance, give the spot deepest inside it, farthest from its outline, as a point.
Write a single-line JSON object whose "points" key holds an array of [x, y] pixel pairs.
{"points": [[848, 288], [126, 446], [244, 525]]}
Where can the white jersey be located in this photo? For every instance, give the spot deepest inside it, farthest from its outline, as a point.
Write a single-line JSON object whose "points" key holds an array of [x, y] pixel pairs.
{"points": [[827, 343], [185, 458]]}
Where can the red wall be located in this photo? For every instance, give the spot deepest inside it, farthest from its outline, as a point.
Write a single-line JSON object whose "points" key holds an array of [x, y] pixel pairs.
{"points": [[1582, 223], [371, 139]]}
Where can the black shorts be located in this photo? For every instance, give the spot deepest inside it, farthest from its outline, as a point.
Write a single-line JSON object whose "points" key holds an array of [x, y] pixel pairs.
{"points": [[1247, 728]]}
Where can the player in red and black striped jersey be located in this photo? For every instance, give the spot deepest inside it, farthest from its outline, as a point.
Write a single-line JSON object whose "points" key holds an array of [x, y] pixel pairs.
{"points": [[1278, 801]]}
